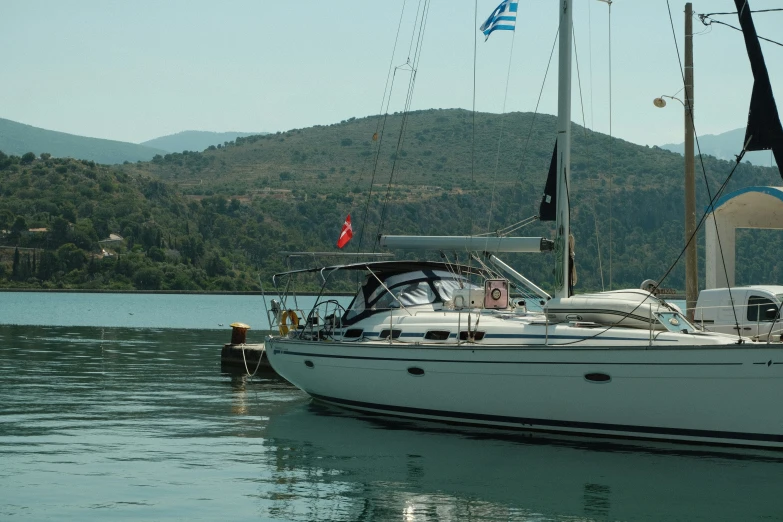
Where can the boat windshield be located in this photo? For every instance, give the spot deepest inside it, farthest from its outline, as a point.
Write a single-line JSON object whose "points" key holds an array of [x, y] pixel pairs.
{"points": [[420, 287]]}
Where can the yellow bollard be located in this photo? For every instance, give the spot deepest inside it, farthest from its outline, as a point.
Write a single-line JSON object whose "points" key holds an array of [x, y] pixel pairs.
{"points": [[239, 333]]}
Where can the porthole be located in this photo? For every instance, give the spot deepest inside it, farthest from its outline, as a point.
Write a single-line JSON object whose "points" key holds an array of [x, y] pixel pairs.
{"points": [[414, 370], [309, 364], [597, 377]]}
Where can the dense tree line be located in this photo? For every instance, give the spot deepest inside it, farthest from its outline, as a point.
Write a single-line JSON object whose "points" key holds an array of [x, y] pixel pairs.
{"points": [[217, 220]]}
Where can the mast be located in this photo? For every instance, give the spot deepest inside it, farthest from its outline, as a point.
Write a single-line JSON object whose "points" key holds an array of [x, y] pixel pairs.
{"points": [[563, 221]]}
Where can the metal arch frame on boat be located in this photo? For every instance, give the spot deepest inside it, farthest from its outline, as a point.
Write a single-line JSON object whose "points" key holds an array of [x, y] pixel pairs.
{"points": [[401, 267]]}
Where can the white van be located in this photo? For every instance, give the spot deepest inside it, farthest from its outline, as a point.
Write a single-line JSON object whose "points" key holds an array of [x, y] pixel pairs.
{"points": [[755, 312]]}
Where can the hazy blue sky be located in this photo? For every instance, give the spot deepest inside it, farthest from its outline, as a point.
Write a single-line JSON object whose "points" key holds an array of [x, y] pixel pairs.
{"points": [[135, 70]]}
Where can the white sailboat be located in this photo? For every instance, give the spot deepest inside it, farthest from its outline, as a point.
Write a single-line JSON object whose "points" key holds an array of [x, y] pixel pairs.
{"points": [[445, 342]]}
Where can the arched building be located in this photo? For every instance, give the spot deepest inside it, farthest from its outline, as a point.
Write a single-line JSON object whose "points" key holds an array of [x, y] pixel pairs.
{"points": [[751, 207]]}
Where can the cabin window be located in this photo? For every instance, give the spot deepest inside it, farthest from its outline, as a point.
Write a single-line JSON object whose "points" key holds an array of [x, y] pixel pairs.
{"points": [[437, 335], [406, 295], [758, 307], [353, 333], [477, 336], [394, 334]]}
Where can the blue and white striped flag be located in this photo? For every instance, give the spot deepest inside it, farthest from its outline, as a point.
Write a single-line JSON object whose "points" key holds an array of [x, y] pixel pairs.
{"points": [[503, 18]]}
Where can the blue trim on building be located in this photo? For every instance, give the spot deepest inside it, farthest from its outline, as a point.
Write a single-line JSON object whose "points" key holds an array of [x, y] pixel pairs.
{"points": [[775, 192]]}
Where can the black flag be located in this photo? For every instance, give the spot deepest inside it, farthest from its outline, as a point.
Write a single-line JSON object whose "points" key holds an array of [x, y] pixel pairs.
{"points": [[547, 211], [764, 130]]}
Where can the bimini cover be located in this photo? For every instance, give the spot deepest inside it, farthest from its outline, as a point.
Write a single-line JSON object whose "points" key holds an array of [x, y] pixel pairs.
{"points": [[420, 287]]}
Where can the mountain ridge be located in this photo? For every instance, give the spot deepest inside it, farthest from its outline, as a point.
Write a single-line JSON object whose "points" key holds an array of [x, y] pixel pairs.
{"points": [[726, 146], [193, 140], [19, 138]]}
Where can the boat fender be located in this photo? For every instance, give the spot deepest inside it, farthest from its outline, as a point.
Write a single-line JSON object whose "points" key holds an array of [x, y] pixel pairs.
{"points": [[284, 317]]}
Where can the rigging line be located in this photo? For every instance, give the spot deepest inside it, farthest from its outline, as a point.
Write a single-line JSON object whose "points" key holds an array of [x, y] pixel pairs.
{"points": [[706, 17], [402, 127], [413, 33], [590, 56], [389, 73], [406, 111], [521, 225], [589, 158], [611, 147], [501, 231], [710, 209], [380, 126], [500, 135], [375, 165], [475, 52], [540, 93], [703, 169], [473, 124], [448, 263], [707, 30]]}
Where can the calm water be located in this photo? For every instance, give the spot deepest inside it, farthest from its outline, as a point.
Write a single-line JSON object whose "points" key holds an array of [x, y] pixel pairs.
{"points": [[198, 311], [101, 423]]}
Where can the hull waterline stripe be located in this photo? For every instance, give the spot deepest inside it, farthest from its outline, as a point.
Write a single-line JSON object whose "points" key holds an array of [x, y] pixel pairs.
{"points": [[410, 360], [530, 336], [528, 423]]}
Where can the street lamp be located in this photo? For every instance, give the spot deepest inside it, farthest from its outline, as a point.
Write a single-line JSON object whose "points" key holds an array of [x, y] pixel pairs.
{"points": [[661, 103]]}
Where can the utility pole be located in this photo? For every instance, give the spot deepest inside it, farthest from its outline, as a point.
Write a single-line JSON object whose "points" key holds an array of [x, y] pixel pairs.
{"points": [[691, 267]]}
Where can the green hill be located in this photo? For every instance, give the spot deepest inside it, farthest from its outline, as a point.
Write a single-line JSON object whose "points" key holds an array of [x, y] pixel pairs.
{"points": [[18, 138], [632, 191], [194, 140], [55, 212], [217, 219]]}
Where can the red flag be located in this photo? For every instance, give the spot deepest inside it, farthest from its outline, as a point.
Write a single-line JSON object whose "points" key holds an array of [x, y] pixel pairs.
{"points": [[346, 233]]}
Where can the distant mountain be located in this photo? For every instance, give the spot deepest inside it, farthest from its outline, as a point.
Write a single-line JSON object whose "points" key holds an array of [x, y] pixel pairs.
{"points": [[195, 141], [726, 146], [18, 138]]}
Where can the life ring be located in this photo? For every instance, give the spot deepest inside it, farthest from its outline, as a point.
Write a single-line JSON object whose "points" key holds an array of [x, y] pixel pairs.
{"points": [[284, 317]]}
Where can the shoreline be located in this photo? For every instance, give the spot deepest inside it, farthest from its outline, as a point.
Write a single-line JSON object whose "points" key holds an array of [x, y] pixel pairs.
{"points": [[161, 292]]}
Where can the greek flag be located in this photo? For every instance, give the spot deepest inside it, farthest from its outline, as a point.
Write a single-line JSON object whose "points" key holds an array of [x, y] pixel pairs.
{"points": [[503, 18]]}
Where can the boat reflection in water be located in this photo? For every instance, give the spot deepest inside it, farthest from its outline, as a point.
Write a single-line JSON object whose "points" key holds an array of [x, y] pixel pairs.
{"points": [[332, 464]]}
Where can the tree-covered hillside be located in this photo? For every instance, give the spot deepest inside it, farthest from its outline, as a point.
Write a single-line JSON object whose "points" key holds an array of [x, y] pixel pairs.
{"points": [[55, 212], [218, 219], [446, 175]]}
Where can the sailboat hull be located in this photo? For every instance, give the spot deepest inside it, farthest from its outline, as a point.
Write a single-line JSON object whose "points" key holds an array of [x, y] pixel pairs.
{"points": [[717, 395]]}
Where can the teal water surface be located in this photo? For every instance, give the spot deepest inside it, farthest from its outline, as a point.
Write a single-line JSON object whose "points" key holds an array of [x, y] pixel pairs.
{"points": [[100, 423], [142, 310]]}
